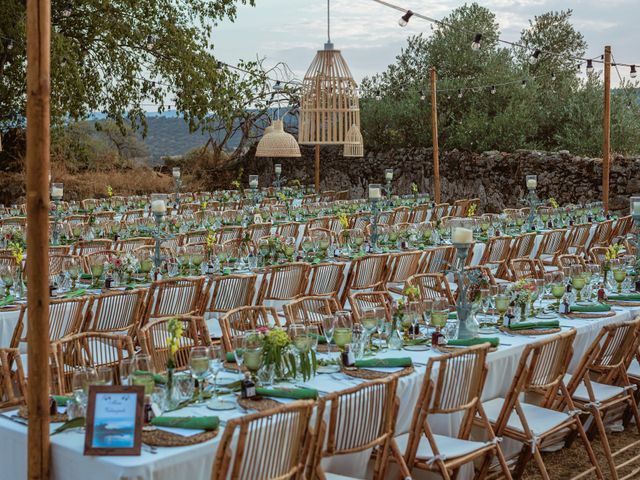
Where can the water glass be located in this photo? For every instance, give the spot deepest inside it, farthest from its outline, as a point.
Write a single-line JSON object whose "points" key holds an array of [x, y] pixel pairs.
{"points": [[199, 366], [127, 367], [266, 375]]}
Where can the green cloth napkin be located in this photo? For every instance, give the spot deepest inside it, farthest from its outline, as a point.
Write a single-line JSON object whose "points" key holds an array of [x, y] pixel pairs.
{"points": [[629, 297], [76, 293], [192, 423], [61, 400], [85, 276], [535, 325], [8, 300], [230, 357], [598, 307], [452, 316], [384, 362], [418, 341], [295, 393], [157, 378], [469, 342]]}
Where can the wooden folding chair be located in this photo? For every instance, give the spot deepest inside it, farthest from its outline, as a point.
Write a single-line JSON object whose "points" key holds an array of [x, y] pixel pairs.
{"points": [[547, 411], [269, 445], [310, 310], [597, 255], [577, 239], [242, 319], [225, 234], [13, 388], [85, 247], [568, 260], [496, 254], [523, 268], [551, 245], [439, 211], [400, 215], [87, 349], [366, 273], [290, 229], [600, 385], [432, 286], [621, 229], [258, 230], [174, 296], [356, 420], [419, 213], [400, 266], [326, 279], [115, 312], [437, 259], [362, 301], [452, 384], [601, 235], [153, 340], [283, 282], [230, 291], [130, 244]]}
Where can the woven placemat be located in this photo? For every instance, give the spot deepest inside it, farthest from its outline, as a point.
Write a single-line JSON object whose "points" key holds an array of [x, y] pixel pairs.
{"points": [[161, 438], [622, 303], [231, 366], [260, 403], [445, 349], [324, 348], [374, 375], [57, 418], [592, 314], [532, 331]]}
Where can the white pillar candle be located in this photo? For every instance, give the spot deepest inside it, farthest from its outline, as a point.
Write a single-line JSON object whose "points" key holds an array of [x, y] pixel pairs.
{"points": [[374, 192], [253, 184], [57, 192], [176, 172], [462, 235], [388, 174], [159, 206], [532, 183], [635, 205], [278, 169]]}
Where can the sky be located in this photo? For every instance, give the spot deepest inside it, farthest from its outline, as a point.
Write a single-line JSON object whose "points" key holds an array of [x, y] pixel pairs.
{"points": [[369, 37]]}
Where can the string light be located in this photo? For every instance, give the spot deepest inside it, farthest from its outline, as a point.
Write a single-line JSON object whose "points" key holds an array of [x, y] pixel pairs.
{"points": [[535, 56], [633, 72], [523, 84], [553, 76], [66, 12], [151, 41], [378, 96], [422, 97], [459, 93], [493, 89], [476, 42], [589, 66], [404, 19]]}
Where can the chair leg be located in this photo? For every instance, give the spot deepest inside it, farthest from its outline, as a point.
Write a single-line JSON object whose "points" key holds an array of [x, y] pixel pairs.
{"points": [[633, 406], [595, 413], [543, 470], [405, 472], [587, 445], [523, 459]]}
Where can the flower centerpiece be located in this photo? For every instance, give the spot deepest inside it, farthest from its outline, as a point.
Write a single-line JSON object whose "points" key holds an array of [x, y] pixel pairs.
{"points": [[124, 266], [522, 295], [17, 253], [472, 210], [278, 350], [414, 190], [612, 253]]}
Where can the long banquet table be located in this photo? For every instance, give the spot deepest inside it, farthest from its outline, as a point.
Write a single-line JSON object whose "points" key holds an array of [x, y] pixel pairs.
{"points": [[195, 462]]}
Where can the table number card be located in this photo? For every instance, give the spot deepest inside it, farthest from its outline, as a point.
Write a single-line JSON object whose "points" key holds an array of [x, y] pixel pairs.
{"points": [[114, 420]]}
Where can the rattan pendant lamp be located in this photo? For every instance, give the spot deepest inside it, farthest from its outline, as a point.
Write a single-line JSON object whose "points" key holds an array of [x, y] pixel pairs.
{"points": [[329, 106], [275, 142]]}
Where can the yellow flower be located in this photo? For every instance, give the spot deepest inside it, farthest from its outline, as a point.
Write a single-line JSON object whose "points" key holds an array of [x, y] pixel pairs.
{"points": [[344, 221], [411, 293], [211, 239], [553, 203], [472, 209], [109, 191], [414, 188], [17, 252], [612, 252]]}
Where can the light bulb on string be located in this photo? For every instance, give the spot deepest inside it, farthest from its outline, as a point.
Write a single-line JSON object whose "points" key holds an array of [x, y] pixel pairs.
{"points": [[422, 97], [150, 41], [589, 66], [475, 45], [533, 59], [404, 19], [553, 76], [493, 90], [459, 93], [66, 12], [633, 72], [278, 86], [448, 97], [378, 96], [524, 84], [578, 68]]}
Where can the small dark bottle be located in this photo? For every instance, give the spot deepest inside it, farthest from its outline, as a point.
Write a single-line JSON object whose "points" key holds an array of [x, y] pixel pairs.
{"points": [[148, 410], [347, 357], [564, 306], [508, 318], [247, 387], [569, 287], [601, 294], [437, 338], [108, 282], [211, 269]]}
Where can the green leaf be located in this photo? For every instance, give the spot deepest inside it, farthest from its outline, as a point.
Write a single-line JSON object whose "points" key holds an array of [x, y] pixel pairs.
{"points": [[75, 423]]}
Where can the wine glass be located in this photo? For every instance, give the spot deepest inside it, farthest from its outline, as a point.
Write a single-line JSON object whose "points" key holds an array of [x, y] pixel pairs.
{"points": [[252, 352], [328, 324], [342, 332], [307, 246], [104, 375], [577, 280], [369, 320], [127, 367], [199, 367], [96, 264], [557, 287], [313, 332], [619, 273], [6, 274], [502, 305], [143, 373], [238, 349], [217, 357], [82, 378]]}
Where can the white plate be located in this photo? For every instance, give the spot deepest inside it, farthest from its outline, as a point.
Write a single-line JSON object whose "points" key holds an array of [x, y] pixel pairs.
{"points": [[328, 368]]}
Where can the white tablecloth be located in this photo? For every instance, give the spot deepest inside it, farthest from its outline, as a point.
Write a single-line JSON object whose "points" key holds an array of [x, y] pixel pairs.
{"points": [[195, 462]]}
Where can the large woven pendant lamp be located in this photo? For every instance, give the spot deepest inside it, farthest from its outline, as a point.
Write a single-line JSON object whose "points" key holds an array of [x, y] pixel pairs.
{"points": [[353, 145], [329, 104], [277, 143]]}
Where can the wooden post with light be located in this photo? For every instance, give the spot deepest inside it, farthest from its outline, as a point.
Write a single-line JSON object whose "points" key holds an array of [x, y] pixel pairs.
{"points": [[38, 141], [606, 130], [434, 136]]}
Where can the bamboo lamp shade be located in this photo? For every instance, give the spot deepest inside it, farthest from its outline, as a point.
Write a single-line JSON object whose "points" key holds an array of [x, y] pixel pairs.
{"points": [[278, 143], [353, 145], [329, 102]]}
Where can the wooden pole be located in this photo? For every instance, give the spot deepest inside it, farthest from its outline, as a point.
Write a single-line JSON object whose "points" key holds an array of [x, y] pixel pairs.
{"points": [[38, 94], [434, 137], [606, 130], [317, 171]]}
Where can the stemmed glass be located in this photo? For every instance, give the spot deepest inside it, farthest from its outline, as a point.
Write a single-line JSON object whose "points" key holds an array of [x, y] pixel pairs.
{"points": [[439, 314], [369, 320], [557, 287], [97, 268], [342, 332], [142, 373], [328, 324], [577, 280], [252, 352], [199, 367], [307, 246], [72, 266], [6, 274], [619, 273], [127, 368], [82, 378], [539, 282], [238, 349], [217, 357]]}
